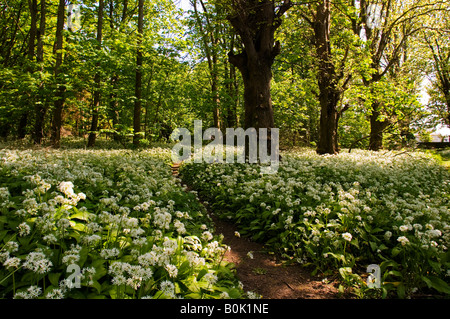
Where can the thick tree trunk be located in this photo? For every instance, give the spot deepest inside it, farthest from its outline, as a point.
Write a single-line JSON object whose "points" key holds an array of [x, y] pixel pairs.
{"points": [[59, 94], [257, 75], [256, 23], [97, 79], [377, 127], [328, 143], [257, 79], [327, 79], [446, 91], [22, 127], [39, 113], [448, 110]]}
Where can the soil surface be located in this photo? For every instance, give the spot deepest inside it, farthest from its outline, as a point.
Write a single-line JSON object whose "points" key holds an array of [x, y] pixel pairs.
{"points": [[265, 274]]}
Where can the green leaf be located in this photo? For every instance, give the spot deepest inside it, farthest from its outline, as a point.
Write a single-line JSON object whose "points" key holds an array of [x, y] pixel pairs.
{"points": [[345, 272], [201, 273], [395, 273], [82, 215], [3, 233], [83, 256], [395, 251], [184, 268], [401, 291], [97, 286], [54, 278], [437, 284], [78, 226], [355, 242], [234, 293], [194, 295]]}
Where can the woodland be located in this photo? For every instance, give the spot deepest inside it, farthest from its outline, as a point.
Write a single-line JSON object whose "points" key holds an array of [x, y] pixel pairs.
{"points": [[329, 74], [92, 204]]}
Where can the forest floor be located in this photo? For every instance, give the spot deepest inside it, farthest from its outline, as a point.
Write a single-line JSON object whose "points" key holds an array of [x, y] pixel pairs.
{"points": [[266, 274]]}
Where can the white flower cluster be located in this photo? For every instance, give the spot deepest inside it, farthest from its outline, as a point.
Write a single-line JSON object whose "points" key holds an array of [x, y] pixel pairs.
{"points": [[37, 262], [316, 205], [120, 224]]}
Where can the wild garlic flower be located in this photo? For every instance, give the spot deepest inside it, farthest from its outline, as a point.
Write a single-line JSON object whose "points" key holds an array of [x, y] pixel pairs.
{"points": [[224, 295], [168, 288], [91, 240], [55, 293], [172, 270], [347, 236], [109, 253], [66, 188], [253, 295], [11, 246], [210, 278], [179, 226], [403, 240], [404, 228], [37, 262], [207, 236], [4, 193], [32, 292], [13, 262]]}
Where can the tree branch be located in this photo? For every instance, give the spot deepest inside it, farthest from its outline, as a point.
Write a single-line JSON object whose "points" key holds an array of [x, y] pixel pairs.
{"points": [[238, 60], [287, 4]]}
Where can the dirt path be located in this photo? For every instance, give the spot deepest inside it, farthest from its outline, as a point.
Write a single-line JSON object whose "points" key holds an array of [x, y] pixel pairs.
{"points": [[266, 275]]}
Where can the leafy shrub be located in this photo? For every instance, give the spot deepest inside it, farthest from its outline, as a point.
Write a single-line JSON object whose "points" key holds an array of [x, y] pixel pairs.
{"points": [[343, 213], [105, 224]]}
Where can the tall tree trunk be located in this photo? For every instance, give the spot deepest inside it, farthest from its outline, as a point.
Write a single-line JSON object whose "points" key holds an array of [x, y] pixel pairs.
{"points": [[257, 76], [230, 116], [41, 34], [114, 106], [113, 102], [329, 93], [447, 99], [138, 84], [33, 28], [8, 42], [97, 79], [22, 126], [256, 22], [40, 108], [210, 41], [234, 93], [23, 120], [124, 11], [60, 88], [377, 127], [215, 92]]}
